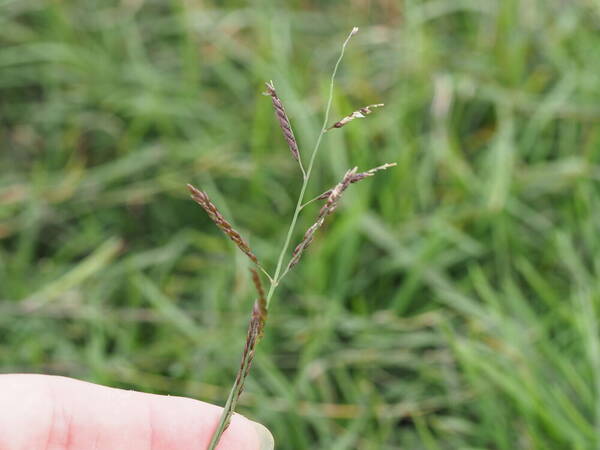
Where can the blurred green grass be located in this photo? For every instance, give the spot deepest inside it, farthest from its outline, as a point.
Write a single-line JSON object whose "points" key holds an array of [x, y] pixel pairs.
{"points": [[452, 302]]}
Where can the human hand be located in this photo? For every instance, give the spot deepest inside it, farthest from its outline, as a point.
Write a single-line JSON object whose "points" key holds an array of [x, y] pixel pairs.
{"points": [[56, 413]]}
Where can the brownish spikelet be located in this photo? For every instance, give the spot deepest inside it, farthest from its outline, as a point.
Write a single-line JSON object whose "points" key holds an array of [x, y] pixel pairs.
{"points": [[326, 210], [253, 335], [284, 121], [259, 288], [337, 192], [202, 199], [260, 305], [254, 331], [358, 114], [359, 176]]}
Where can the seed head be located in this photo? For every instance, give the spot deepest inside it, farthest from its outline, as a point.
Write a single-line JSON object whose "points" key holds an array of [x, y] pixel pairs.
{"points": [[284, 121], [328, 208], [359, 176], [260, 305], [202, 199], [358, 114]]}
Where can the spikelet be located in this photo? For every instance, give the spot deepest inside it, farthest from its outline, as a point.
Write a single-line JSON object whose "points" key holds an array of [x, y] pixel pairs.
{"points": [[360, 176], [284, 121], [328, 208], [260, 305], [358, 114], [202, 199], [253, 335]]}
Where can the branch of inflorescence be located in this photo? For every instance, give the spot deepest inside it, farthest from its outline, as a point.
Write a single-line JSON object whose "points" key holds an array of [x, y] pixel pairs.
{"points": [[278, 276]]}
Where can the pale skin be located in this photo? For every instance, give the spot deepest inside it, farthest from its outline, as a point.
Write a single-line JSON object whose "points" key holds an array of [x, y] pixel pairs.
{"points": [[42, 412]]}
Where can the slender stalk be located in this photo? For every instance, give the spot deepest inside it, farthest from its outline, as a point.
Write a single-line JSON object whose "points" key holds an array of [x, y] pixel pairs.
{"points": [[314, 199], [230, 405], [264, 271]]}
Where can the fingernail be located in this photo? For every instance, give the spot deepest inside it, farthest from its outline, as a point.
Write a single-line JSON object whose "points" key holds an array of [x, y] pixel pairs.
{"points": [[265, 438]]}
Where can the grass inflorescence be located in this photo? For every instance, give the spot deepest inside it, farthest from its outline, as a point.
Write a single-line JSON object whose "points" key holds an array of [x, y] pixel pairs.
{"points": [[259, 311]]}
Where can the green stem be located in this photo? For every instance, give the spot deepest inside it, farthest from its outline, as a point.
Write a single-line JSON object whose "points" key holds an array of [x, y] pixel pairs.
{"points": [[230, 405], [229, 408]]}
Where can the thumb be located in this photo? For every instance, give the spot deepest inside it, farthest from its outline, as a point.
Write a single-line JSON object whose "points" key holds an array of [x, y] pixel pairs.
{"points": [[48, 412]]}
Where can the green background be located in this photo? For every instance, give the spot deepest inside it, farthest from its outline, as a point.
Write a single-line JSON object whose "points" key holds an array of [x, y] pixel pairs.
{"points": [[451, 302]]}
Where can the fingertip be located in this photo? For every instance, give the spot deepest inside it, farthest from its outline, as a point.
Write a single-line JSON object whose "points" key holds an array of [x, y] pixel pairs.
{"points": [[265, 438], [243, 433], [180, 422]]}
